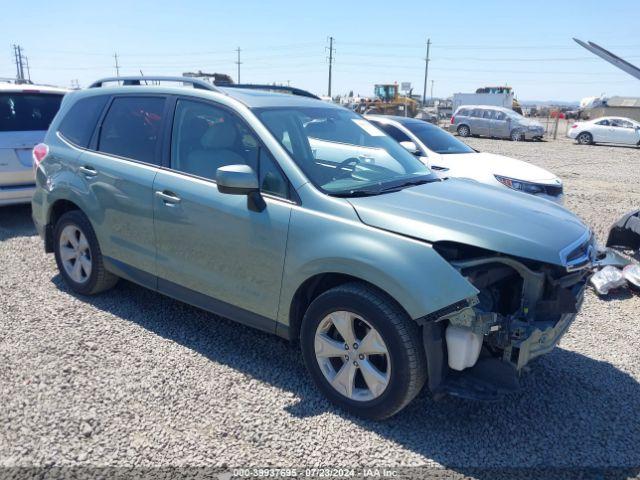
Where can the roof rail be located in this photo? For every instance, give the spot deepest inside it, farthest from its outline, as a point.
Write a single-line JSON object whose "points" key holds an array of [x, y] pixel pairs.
{"points": [[273, 88], [137, 80], [17, 81]]}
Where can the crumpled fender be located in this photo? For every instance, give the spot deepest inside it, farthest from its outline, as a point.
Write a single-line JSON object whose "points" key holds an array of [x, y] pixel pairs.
{"points": [[409, 270]]}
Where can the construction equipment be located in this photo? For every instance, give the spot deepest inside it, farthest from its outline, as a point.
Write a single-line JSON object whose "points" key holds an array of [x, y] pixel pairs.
{"points": [[515, 105], [388, 101]]}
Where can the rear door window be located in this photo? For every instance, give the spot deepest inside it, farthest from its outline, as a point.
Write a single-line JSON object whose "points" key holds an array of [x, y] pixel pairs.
{"points": [[476, 113], [79, 123], [132, 128], [500, 116], [25, 111], [489, 114]]}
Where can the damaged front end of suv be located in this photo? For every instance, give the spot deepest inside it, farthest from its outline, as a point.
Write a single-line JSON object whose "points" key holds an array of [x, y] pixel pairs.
{"points": [[478, 348]]}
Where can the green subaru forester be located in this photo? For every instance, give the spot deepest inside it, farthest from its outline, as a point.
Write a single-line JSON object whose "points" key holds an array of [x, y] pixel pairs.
{"points": [[303, 219]]}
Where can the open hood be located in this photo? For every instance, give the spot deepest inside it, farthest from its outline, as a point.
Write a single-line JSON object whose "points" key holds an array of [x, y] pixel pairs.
{"points": [[464, 211]]}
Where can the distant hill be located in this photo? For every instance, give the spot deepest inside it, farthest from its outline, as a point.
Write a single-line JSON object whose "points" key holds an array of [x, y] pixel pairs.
{"points": [[560, 103]]}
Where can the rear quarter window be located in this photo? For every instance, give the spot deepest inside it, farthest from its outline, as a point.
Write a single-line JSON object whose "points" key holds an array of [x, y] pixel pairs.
{"points": [[26, 111], [80, 121]]}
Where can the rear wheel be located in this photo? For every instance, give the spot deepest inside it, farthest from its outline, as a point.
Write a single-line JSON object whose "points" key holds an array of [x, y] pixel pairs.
{"points": [[363, 351], [585, 138], [78, 255], [464, 131]]}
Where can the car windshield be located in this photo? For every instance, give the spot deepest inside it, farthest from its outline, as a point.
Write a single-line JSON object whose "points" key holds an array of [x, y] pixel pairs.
{"points": [[20, 112], [514, 114], [437, 140], [342, 153]]}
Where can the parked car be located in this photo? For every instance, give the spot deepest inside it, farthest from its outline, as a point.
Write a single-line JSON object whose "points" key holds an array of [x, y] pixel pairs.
{"points": [[447, 155], [303, 219], [496, 122], [26, 110], [606, 130]]}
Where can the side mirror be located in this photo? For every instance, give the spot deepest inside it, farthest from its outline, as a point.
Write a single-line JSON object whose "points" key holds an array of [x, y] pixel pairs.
{"points": [[236, 180], [410, 147]]}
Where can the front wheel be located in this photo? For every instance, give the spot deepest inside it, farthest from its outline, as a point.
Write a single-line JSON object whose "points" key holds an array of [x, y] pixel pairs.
{"points": [[78, 255], [363, 351], [517, 135]]}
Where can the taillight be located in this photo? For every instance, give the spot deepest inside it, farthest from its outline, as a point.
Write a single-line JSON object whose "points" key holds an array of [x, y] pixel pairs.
{"points": [[40, 151], [453, 119], [575, 125]]}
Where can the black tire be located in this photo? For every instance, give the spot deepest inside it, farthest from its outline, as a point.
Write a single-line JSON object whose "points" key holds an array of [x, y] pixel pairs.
{"points": [[517, 135], [100, 279], [585, 138], [398, 331], [464, 131]]}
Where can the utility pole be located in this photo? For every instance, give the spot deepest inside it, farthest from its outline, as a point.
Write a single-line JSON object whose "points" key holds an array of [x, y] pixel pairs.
{"points": [[426, 73], [432, 90], [17, 51], [238, 62], [330, 64], [26, 61], [115, 57]]}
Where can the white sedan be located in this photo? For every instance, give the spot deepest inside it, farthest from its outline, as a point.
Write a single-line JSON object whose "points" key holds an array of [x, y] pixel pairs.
{"points": [[606, 130], [444, 153]]}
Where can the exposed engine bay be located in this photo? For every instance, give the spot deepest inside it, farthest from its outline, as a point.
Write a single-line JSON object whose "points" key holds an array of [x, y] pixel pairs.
{"points": [[477, 348]]}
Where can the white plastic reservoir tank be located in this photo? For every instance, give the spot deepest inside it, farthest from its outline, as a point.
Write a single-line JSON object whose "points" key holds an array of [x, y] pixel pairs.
{"points": [[463, 347]]}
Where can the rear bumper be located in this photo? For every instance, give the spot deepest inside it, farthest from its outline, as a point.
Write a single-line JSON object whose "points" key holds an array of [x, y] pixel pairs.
{"points": [[16, 194]]}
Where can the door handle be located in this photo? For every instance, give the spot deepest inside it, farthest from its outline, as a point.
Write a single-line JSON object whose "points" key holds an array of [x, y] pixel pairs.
{"points": [[169, 198], [88, 171]]}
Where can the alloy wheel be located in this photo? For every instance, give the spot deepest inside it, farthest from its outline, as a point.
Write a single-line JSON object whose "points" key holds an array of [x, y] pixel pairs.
{"points": [[75, 254], [584, 139], [352, 356]]}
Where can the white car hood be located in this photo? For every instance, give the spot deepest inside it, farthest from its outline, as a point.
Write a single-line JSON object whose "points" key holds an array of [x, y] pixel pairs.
{"points": [[485, 164]]}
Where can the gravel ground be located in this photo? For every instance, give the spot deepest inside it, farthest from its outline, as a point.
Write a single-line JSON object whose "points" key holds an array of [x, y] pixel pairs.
{"points": [[131, 378]]}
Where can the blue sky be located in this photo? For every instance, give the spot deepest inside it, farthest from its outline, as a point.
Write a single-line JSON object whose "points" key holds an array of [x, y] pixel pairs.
{"points": [[475, 43]]}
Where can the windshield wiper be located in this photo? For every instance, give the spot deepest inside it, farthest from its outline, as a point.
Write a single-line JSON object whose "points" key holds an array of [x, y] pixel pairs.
{"points": [[357, 193], [368, 192], [410, 183]]}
